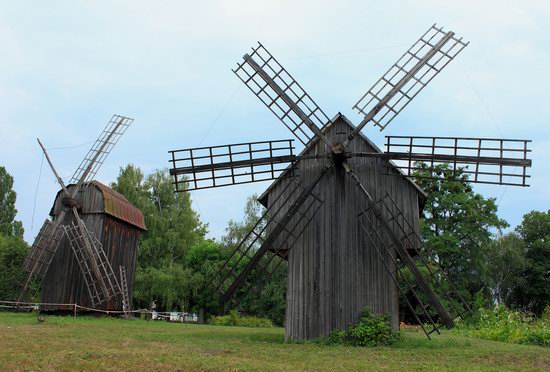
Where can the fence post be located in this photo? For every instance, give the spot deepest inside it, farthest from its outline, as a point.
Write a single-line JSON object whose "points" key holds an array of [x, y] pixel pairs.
{"points": [[75, 311]]}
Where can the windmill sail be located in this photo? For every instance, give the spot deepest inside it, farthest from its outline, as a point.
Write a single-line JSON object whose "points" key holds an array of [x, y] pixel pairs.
{"points": [[275, 233], [91, 163], [100, 279], [395, 261], [407, 77], [43, 249], [382, 226], [215, 166], [282, 94], [484, 160]]}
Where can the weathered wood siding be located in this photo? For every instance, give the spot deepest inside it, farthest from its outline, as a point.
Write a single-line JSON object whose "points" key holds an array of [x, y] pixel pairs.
{"points": [[333, 271], [64, 283]]}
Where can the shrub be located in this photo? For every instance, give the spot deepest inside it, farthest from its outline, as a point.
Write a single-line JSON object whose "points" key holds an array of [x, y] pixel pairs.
{"points": [[503, 324], [371, 330], [234, 319]]}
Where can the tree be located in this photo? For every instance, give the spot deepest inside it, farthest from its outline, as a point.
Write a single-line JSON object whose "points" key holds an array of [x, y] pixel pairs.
{"points": [[237, 230], [204, 260], [506, 262], [533, 292], [13, 248], [174, 229], [13, 251], [8, 225], [458, 225], [173, 226], [267, 296]]}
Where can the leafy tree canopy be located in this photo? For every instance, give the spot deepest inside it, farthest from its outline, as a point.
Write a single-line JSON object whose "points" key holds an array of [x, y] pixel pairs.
{"points": [[261, 295], [13, 251], [458, 224], [8, 225], [174, 259], [533, 291], [173, 226], [506, 263]]}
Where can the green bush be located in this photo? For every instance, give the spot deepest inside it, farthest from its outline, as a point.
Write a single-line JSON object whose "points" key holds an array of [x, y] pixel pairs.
{"points": [[371, 330], [234, 319], [503, 324]]}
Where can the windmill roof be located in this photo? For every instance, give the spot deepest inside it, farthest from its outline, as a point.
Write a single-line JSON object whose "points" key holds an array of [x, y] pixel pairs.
{"points": [[263, 198], [111, 203], [118, 206]]}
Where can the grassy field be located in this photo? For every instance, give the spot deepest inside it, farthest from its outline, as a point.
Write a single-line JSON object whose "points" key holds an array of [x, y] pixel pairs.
{"points": [[84, 343]]}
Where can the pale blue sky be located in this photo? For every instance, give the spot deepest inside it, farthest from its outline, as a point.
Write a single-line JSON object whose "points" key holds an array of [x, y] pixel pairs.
{"points": [[67, 66]]}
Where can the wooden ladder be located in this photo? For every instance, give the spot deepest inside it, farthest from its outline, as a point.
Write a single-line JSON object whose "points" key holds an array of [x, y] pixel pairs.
{"points": [[98, 274], [124, 288]]}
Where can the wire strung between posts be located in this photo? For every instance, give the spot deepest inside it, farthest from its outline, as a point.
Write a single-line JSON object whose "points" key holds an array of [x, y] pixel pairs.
{"points": [[36, 192], [70, 147]]}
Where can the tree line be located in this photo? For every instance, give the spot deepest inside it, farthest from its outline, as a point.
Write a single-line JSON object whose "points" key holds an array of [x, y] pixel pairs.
{"points": [[176, 259]]}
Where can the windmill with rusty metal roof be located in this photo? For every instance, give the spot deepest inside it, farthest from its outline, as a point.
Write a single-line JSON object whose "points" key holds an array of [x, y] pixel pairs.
{"points": [[86, 252], [343, 213]]}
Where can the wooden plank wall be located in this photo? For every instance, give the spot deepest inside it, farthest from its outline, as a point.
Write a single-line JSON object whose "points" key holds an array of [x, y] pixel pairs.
{"points": [[63, 282], [333, 270]]}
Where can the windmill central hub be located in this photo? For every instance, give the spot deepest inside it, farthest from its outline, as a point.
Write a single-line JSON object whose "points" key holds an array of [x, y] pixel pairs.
{"points": [[337, 148], [70, 202], [338, 152]]}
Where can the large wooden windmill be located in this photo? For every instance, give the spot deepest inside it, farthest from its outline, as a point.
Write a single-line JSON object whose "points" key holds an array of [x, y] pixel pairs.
{"points": [[86, 257], [342, 213]]}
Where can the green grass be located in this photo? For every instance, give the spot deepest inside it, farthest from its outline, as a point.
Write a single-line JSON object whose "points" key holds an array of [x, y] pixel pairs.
{"points": [[84, 343]]}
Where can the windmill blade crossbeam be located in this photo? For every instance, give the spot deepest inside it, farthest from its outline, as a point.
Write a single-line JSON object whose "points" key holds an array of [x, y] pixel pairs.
{"points": [[282, 94], [43, 249], [91, 163], [484, 160], [100, 279], [408, 76], [207, 167]]}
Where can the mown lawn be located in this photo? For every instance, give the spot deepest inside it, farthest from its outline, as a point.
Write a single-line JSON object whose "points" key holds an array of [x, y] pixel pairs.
{"points": [[84, 343]]}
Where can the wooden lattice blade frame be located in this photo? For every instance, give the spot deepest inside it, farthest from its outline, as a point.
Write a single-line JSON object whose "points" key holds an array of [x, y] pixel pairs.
{"points": [[239, 163], [101, 281], [108, 138], [43, 249], [282, 94], [407, 77], [484, 160], [277, 231], [384, 229]]}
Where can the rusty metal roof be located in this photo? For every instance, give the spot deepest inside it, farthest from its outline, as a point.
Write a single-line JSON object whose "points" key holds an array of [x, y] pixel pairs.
{"points": [[118, 206], [96, 198]]}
